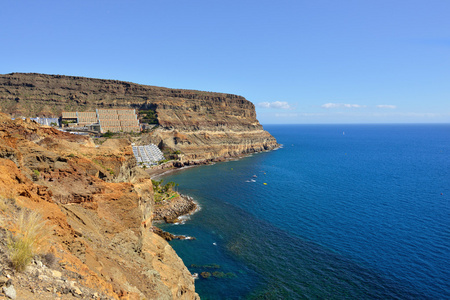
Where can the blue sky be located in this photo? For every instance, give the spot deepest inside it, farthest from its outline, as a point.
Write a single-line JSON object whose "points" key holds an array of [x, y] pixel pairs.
{"points": [[297, 61]]}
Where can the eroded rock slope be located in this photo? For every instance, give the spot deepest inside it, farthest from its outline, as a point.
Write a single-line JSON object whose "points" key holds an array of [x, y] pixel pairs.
{"points": [[100, 207], [201, 125]]}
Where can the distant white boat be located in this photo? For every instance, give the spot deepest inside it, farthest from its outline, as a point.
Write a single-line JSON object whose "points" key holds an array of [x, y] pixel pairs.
{"points": [[343, 132]]}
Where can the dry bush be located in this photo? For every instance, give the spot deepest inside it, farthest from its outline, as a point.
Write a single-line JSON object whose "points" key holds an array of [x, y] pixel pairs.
{"points": [[3, 206], [49, 260], [6, 198], [30, 236], [21, 253]]}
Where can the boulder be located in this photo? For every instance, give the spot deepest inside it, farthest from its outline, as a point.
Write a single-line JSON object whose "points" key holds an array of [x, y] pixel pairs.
{"points": [[10, 292]]}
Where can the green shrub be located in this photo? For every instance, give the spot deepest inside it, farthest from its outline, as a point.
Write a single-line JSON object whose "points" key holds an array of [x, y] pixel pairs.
{"points": [[21, 253], [36, 175], [108, 134]]}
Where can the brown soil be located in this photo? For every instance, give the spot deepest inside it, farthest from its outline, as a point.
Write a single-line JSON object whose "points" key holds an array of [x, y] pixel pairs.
{"points": [[100, 220]]}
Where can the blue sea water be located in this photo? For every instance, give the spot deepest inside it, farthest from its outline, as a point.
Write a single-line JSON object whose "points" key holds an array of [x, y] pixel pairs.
{"points": [[339, 212]]}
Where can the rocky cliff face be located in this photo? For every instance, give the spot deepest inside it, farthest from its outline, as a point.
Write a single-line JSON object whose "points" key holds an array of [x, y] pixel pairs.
{"points": [[100, 206], [201, 125], [210, 127]]}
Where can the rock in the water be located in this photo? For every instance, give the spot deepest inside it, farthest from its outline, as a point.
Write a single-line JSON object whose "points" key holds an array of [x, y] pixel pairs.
{"points": [[178, 164], [170, 220], [10, 292]]}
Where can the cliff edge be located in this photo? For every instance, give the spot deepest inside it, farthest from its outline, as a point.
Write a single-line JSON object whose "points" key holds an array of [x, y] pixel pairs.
{"points": [[201, 125], [97, 207]]}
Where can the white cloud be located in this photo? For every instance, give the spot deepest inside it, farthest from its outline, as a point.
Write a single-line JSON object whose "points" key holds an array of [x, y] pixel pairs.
{"points": [[341, 105], [387, 106], [276, 104]]}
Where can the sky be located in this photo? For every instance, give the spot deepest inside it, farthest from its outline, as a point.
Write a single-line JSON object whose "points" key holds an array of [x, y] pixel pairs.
{"points": [[299, 62]]}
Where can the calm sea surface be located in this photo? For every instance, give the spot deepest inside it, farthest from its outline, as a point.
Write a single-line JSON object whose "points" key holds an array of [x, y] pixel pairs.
{"points": [[339, 212]]}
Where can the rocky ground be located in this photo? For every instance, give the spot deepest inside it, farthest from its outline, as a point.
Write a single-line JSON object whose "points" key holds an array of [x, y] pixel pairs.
{"points": [[48, 276], [97, 207], [98, 203], [170, 210]]}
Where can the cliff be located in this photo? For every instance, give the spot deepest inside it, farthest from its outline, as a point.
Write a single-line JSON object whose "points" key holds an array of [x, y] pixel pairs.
{"points": [[98, 209], [201, 125]]}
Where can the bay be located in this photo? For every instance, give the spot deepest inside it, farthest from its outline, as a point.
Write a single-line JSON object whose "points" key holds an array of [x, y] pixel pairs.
{"points": [[338, 212]]}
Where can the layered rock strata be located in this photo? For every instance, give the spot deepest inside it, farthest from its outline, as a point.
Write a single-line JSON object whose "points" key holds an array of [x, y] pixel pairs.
{"points": [[170, 210], [201, 125], [98, 205]]}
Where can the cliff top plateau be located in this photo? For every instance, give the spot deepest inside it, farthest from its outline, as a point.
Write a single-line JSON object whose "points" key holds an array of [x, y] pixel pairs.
{"points": [[201, 125]]}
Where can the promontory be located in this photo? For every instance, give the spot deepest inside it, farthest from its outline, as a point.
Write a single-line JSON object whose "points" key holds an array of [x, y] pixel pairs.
{"points": [[200, 125], [76, 211]]}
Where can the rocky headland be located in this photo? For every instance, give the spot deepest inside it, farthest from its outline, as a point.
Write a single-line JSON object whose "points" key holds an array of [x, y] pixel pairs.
{"points": [[171, 210], [200, 125], [96, 203]]}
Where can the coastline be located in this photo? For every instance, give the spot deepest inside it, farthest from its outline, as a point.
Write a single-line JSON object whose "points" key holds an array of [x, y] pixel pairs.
{"points": [[173, 210], [173, 166], [178, 210]]}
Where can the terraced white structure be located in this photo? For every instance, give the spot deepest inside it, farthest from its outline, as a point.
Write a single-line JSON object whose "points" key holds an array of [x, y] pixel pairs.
{"points": [[148, 155]]}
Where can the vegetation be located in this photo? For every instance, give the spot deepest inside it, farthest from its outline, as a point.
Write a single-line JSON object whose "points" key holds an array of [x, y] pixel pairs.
{"points": [[36, 175], [5, 199], [163, 161], [148, 116], [99, 163], [173, 154], [30, 237], [163, 192], [108, 134]]}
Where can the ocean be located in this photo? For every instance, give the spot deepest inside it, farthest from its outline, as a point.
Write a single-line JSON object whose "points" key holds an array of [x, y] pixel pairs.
{"points": [[338, 212]]}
